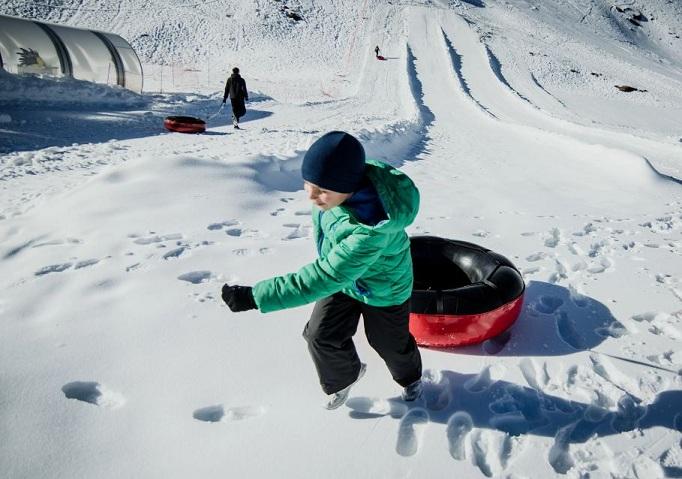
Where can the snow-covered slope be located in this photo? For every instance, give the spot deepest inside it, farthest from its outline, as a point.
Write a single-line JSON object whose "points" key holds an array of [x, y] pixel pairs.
{"points": [[118, 359], [260, 36]]}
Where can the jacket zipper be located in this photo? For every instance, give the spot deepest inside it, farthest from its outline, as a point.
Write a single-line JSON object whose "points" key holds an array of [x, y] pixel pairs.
{"points": [[320, 233]]}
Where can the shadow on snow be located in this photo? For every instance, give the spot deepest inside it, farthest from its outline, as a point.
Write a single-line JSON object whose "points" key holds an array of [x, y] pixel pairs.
{"points": [[554, 322], [33, 127]]}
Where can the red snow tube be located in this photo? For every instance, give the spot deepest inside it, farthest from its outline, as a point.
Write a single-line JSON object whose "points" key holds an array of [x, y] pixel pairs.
{"points": [[463, 293], [380, 57], [184, 124]]}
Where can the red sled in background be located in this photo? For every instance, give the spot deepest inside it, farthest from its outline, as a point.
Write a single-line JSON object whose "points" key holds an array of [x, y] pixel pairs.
{"points": [[184, 124]]}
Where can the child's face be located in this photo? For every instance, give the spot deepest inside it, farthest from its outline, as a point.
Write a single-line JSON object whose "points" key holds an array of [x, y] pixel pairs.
{"points": [[324, 199]]}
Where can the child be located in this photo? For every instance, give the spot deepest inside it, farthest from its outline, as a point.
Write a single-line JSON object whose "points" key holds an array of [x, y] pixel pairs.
{"points": [[364, 268]]}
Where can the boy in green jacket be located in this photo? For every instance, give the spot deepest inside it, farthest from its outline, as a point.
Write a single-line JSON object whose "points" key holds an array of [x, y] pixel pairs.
{"points": [[362, 208]]}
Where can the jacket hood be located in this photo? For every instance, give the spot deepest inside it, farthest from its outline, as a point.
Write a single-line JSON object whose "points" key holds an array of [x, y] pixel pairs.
{"points": [[398, 194]]}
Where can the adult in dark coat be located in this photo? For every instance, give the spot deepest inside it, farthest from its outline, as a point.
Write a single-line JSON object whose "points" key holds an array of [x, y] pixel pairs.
{"points": [[235, 89]]}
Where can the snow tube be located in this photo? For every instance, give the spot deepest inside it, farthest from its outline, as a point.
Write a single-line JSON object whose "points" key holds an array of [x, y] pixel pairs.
{"points": [[463, 293], [380, 57], [184, 124]]}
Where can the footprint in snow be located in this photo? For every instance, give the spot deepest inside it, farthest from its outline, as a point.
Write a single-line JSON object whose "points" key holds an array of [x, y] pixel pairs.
{"points": [[58, 242], [202, 298], [300, 231], [530, 271], [536, 377], [86, 263], [633, 246], [196, 277], [665, 278], [671, 460], [603, 367], [615, 329], [660, 324], [579, 265], [568, 332], [587, 229], [411, 432], [154, 238], [365, 408], [598, 408], [554, 238], [560, 273], [248, 252], [219, 226], [436, 392], [218, 413], [494, 345], [627, 415], [599, 248], [175, 253], [459, 426], [547, 304], [537, 256], [575, 249], [601, 266], [481, 445], [483, 380], [560, 457], [93, 393], [246, 233], [53, 268], [666, 358], [527, 402], [58, 268], [493, 452]]}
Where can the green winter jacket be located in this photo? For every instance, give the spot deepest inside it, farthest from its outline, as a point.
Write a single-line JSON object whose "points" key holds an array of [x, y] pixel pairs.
{"points": [[369, 263]]}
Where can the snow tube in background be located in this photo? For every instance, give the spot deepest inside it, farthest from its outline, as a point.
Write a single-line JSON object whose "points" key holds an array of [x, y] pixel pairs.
{"points": [[184, 124], [463, 293]]}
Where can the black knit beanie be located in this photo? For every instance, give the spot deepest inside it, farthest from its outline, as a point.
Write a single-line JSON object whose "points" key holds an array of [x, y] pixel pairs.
{"points": [[335, 162]]}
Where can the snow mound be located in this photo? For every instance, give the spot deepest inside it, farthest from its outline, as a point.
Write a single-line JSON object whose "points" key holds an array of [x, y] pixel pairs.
{"points": [[64, 93]]}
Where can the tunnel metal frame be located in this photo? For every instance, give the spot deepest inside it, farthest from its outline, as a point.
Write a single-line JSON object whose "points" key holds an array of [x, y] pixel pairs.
{"points": [[126, 70]]}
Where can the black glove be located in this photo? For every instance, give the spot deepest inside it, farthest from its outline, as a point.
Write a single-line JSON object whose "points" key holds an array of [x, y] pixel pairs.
{"points": [[238, 298]]}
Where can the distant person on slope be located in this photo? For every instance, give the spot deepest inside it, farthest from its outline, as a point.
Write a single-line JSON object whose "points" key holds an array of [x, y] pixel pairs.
{"points": [[235, 88], [376, 51], [364, 267]]}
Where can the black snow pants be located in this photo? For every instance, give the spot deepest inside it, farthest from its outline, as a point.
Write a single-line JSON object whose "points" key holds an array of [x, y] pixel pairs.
{"points": [[238, 108], [330, 331]]}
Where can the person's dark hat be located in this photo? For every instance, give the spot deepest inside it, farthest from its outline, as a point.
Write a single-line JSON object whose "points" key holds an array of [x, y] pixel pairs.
{"points": [[335, 162], [235, 70]]}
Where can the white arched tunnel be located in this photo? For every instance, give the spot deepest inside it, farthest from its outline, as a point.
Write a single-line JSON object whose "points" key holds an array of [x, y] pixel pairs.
{"points": [[29, 46]]}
